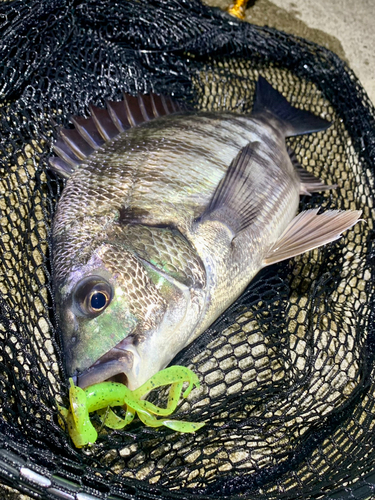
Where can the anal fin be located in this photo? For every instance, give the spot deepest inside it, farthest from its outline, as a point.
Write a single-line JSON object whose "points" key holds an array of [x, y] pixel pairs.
{"points": [[309, 183], [309, 230]]}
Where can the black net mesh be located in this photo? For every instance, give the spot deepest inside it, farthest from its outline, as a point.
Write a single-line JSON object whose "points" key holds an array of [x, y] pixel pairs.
{"points": [[287, 372]]}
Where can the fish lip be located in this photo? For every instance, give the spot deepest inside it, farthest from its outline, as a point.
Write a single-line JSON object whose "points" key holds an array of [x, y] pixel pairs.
{"points": [[121, 359], [100, 372]]}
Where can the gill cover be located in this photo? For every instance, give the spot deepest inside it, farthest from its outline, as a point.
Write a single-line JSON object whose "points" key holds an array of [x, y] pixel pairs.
{"points": [[99, 307], [127, 302]]}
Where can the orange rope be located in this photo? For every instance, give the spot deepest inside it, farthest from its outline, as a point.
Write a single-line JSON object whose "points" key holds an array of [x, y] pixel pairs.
{"points": [[237, 9]]}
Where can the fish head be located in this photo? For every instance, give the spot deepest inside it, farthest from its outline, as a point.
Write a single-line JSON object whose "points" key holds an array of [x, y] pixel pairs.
{"points": [[121, 318]]}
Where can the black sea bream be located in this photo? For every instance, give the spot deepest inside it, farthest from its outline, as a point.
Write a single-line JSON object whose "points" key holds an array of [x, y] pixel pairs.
{"points": [[166, 217]]}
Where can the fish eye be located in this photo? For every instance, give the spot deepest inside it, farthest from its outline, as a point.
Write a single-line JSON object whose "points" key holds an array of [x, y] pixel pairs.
{"points": [[98, 300], [92, 295]]}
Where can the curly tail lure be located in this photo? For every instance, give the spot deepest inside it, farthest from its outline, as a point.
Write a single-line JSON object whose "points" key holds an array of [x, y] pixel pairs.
{"points": [[101, 397]]}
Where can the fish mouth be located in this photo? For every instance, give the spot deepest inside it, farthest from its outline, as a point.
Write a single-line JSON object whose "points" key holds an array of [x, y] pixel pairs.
{"points": [[119, 364]]}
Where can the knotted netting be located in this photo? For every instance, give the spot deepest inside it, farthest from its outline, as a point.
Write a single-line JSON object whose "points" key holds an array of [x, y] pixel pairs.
{"points": [[287, 373]]}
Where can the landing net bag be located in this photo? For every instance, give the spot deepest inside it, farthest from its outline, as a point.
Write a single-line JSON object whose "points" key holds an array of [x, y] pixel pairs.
{"points": [[287, 373]]}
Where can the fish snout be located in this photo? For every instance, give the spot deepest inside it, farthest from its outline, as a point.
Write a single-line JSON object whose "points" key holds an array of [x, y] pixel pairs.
{"points": [[119, 364]]}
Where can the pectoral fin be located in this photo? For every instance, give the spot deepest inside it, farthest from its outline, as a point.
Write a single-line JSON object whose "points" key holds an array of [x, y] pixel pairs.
{"points": [[309, 230], [234, 201]]}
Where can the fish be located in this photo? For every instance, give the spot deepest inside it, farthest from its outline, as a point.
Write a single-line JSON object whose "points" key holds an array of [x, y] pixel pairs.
{"points": [[166, 216]]}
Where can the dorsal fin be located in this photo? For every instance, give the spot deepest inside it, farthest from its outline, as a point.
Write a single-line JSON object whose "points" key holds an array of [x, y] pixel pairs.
{"points": [[75, 145]]}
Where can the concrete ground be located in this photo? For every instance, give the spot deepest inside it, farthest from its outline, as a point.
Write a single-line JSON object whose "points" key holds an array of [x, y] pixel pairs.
{"points": [[343, 26]]}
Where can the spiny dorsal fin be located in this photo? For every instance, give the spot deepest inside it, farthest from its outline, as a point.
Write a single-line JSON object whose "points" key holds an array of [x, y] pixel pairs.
{"points": [[309, 230], [75, 145], [309, 183], [233, 201], [296, 121]]}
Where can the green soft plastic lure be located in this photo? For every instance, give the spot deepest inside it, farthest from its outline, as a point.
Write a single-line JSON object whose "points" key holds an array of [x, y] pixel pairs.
{"points": [[101, 397]]}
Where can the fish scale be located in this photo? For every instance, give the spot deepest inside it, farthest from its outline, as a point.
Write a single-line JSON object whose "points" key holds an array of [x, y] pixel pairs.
{"points": [[163, 225], [165, 248], [144, 295], [117, 167]]}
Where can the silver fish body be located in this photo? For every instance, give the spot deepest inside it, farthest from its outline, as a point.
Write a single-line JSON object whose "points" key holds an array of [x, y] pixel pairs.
{"points": [[163, 226]]}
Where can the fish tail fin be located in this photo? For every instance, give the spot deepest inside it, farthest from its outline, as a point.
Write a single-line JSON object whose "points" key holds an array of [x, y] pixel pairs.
{"points": [[296, 121]]}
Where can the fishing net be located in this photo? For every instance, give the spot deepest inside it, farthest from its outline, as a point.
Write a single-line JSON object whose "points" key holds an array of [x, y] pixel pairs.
{"points": [[287, 373]]}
